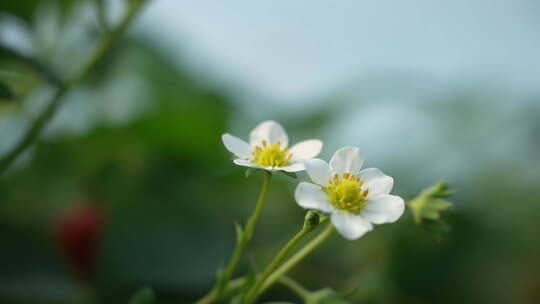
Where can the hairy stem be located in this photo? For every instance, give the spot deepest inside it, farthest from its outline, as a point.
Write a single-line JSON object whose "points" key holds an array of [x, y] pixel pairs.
{"points": [[41, 121]]}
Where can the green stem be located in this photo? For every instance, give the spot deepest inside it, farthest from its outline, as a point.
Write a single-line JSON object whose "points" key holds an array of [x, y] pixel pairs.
{"points": [[296, 287], [212, 295], [251, 295], [244, 237], [297, 257], [237, 283], [37, 126], [42, 70]]}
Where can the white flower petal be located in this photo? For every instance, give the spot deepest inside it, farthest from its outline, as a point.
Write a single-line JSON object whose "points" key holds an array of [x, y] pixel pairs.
{"points": [[234, 144], [246, 163], [270, 131], [350, 226], [347, 160], [295, 167], [311, 196], [318, 170], [306, 149], [376, 181], [383, 208]]}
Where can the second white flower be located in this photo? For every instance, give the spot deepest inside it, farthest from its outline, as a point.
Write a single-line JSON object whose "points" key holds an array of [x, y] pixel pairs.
{"points": [[268, 149], [355, 199]]}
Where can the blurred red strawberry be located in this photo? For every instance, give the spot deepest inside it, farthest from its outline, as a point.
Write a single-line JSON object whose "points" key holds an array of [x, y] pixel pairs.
{"points": [[79, 231]]}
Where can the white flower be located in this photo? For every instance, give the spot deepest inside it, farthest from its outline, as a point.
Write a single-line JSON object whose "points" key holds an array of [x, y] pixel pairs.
{"points": [[268, 149], [354, 199]]}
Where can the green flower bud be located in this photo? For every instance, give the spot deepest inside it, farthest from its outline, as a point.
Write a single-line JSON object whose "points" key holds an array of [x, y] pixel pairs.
{"points": [[311, 220], [428, 205]]}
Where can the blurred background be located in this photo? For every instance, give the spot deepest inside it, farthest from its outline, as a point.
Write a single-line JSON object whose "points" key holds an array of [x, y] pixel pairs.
{"points": [[130, 186]]}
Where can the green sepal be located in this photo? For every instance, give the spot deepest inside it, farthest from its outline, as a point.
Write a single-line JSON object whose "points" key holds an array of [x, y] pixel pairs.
{"points": [[248, 172], [143, 296], [441, 189], [312, 219], [239, 232], [290, 174], [433, 210], [428, 205]]}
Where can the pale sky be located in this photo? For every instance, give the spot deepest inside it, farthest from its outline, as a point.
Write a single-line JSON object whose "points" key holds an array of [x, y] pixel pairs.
{"points": [[277, 58], [405, 54], [298, 50]]}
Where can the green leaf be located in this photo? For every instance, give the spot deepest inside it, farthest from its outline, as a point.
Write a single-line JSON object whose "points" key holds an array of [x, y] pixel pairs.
{"points": [[143, 296]]}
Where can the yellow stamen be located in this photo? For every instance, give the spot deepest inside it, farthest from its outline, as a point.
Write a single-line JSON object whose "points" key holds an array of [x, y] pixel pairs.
{"points": [[271, 155], [346, 193]]}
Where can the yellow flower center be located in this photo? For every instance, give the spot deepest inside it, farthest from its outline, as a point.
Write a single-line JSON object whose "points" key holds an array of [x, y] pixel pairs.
{"points": [[271, 155], [346, 193]]}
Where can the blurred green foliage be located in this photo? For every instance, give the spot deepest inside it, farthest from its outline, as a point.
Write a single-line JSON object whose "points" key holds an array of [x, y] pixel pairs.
{"points": [[170, 195], [143, 296]]}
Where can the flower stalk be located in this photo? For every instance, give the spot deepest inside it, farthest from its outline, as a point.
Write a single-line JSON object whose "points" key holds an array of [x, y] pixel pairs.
{"points": [[295, 287], [311, 222], [297, 257], [243, 238]]}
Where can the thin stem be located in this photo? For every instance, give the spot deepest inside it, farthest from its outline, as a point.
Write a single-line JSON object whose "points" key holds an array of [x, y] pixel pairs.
{"points": [[237, 283], [42, 70], [244, 237], [212, 295], [37, 126], [295, 286], [251, 295], [297, 257]]}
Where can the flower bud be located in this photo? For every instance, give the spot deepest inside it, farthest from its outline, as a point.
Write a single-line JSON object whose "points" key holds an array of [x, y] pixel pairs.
{"points": [[311, 220], [428, 205]]}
